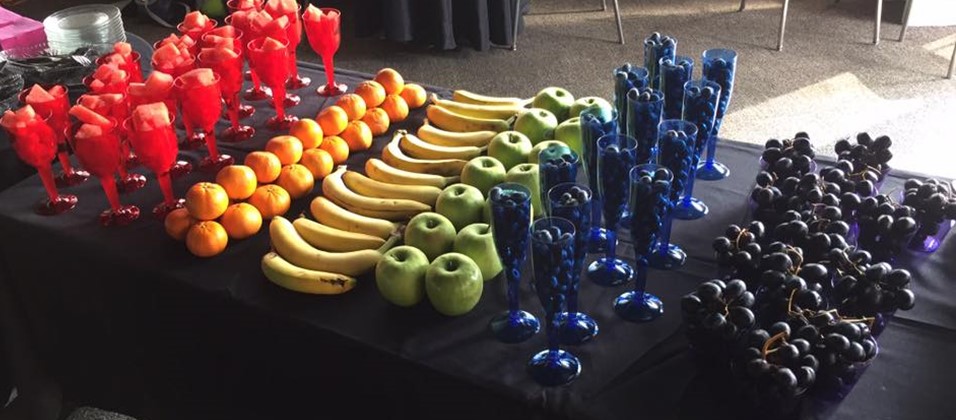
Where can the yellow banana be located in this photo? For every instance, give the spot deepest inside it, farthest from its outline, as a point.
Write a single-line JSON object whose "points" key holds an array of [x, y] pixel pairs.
{"points": [[333, 188], [330, 214], [453, 121], [297, 279], [366, 186], [467, 97], [479, 111], [381, 171], [328, 238], [437, 136], [417, 148], [394, 156], [291, 247]]}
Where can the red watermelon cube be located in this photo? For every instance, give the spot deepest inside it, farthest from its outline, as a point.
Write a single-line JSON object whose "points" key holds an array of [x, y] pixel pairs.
{"points": [[215, 41], [226, 31], [271, 44], [123, 49], [87, 115], [166, 54], [218, 54], [57, 91], [195, 20], [88, 131], [150, 116], [158, 84], [198, 77], [38, 94]]}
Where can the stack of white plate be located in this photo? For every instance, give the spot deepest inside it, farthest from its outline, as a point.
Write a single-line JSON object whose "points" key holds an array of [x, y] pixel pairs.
{"points": [[95, 25]]}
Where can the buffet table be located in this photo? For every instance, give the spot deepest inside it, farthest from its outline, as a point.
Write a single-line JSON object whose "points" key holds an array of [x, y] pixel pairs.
{"points": [[125, 318]]}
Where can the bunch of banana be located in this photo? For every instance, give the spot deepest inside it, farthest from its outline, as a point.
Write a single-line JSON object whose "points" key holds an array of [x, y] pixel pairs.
{"points": [[437, 136], [395, 157], [418, 148], [332, 215], [331, 239], [452, 121], [490, 111], [366, 186], [467, 97], [297, 279], [394, 209], [381, 171]]}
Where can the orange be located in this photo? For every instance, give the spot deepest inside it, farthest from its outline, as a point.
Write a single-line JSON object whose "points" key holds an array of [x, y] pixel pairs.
{"points": [[357, 135], [241, 220], [390, 80], [266, 165], [377, 120], [318, 161], [414, 95], [337, 148], [287, 148], [296, 179], [206, 239], [372, 92], [178, 223], [395, 107], [239, 181], [270, 200], [206, 200], [333, 120], [308, 132], [353, 105]]}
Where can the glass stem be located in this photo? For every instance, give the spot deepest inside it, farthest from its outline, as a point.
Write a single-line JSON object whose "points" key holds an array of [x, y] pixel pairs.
{"points": [[166, 185], [666, 235], [595, 211], [552, 332], [640, 276], [65, 161], [211, 144], [514, 282], [689, 188], [711, 151], [232, 107], [329, 70], [611, 245], [293, 68], [49, 184], [573, 288], [109, 187], [278, 97], [255, 80]]}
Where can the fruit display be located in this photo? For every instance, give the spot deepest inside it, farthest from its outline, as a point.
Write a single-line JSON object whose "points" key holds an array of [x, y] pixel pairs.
{"points": [[935, 206], [214, 212], [870, 156]]}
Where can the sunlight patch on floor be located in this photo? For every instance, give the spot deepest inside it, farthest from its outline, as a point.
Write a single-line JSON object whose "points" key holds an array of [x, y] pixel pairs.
{"points": [[942, 47]]}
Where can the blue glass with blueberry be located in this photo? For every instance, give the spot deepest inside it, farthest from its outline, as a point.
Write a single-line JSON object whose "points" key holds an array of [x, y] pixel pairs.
{"points": [[572, 201], [675, 152], [617, 154], [627, 77], [700, 107], [673, 74], [650, 202], [554, 170], [593, 127], [720, 67], [644, 111], [552, 256], [510, 227], [656, 48]]}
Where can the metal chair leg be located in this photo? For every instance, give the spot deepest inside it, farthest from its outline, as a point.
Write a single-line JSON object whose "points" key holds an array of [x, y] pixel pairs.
{"points": [[514, 35], [783, 24], [879, 19], [906, 19], [743, 5], [603, 5], [620, 28], [952, 65]]}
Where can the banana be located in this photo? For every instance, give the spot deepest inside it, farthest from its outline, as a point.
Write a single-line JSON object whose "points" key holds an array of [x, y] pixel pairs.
{"points": [[331, 239], [453, 121], [437, 136], [291, 247], [330, 214], [381, 171], [467, 97], [297, 279], [366, 186], [394, 156], [333, 188], [479, 111], [418, 148]]}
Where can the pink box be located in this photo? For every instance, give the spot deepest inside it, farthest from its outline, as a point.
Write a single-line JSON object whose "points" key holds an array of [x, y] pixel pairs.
{"points": [[17, 31]]}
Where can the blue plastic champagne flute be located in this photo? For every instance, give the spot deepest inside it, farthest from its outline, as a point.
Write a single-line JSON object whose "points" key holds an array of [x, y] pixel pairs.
{"points": [[554, 170], [657, 47], [720, 66], [674, 74], [627, 77], [617, 154], [644, 111], [572, 201], [510, 224], [700, 107], [676, 152], [594, 125]]}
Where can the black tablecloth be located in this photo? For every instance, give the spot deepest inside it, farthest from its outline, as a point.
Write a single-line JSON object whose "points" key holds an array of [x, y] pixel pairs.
{"points": [[126, 318]]}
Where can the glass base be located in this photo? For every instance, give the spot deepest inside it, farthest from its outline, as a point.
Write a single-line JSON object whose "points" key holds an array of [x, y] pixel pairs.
{"points": [[275, 123], [675, 257], [297, 82], [193, 142], [290, 101], [253, 94], [575, 328], [76, 177], [130, 183], [514, 328], [62, 203], [162, 209], [713, 172], [554, 367], [597, 242], [609, 272], [123, 216], [237, 134], [331, 90], [690, 211], [210, 164], [638, 307], [246, 111], [180, 169]]}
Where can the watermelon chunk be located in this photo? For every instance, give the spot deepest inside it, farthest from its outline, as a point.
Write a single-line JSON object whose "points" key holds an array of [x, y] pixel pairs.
{"points": [[92, 101], [158, 84], [271, 44], [259, 20], [38, 94], [195, 20], [277, 25], [281, 7], [115, 59], [88, 131], [247, 4], [226, 31], [57, 91], [10, 120], [171, 39], [241, 18], [97, 85], [111, 99], [123, 49], [87, 115], [312, 13], [26, 113], [150, 116], [215, 41], [105, 72], [166, 54], [218, 54], [138, 89], [186, 42], [198, 77]]}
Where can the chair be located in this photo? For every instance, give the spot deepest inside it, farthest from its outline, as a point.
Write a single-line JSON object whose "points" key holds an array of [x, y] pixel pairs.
{"points": [[906, 24], [786, 7], [617, 15]]}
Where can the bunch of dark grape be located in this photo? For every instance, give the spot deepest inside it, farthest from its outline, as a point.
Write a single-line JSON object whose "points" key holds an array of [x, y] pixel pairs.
{"points": [[867, 155], [773, 195], [824, 232], [845, 177], [934, 203], [865, 290], [842, 346], [775, 366], [716, 314], [789, 157], [787, 284], [885, 227], [738, 252]]}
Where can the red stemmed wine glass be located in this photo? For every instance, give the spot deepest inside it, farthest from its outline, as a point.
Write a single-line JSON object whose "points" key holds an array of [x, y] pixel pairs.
{"points": [[98, 149], [114, 86], [132, 65], [139, 97], [285, 8], [57, 109], [257, 92], [35, 142], [322, 26], [118, 111], [229, 69], [200, 103], [197, 33], [157, 148], [238, 38], [269, 59]]}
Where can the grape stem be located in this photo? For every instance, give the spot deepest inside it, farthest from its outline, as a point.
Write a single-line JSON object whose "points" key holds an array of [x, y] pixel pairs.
{"points": [[739, 235], [780, 336]]}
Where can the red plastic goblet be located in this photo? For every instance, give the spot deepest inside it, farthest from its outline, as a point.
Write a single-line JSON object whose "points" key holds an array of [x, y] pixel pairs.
{"points": [[238, 37], [59, 120], [294, 35], [197, 33], [98, 148], [322, 27], [229, 70], [157, 148], [257, 92], [269, 59], [35, 142], [114, 86], [119, 111], [201, 105], [132, 65]]}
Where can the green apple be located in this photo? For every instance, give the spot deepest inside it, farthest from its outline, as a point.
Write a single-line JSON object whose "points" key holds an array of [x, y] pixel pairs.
{"points": [[554, 99], [477, 242], [569, 132], [510, 148], [561, 148], [400, 275], [430, 232], [486, 211], [453, 284], [527, 174], [462, 204], [536, 123], [582, 103], [483, 172]]}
